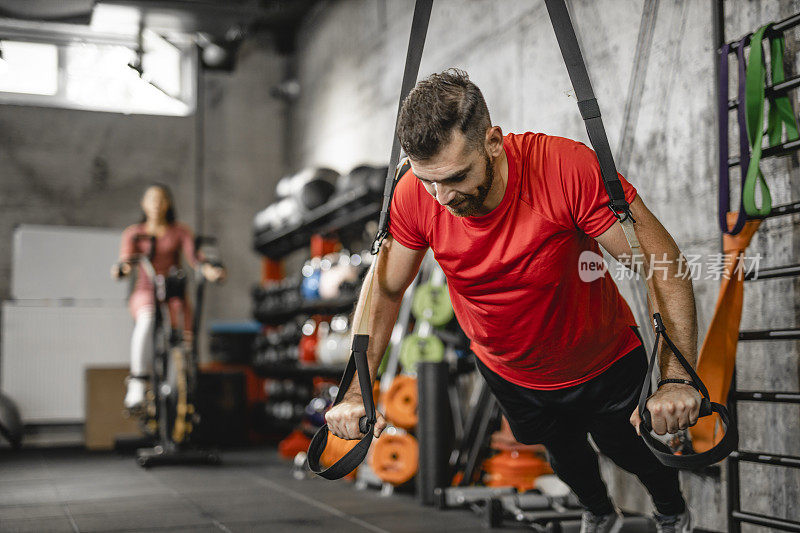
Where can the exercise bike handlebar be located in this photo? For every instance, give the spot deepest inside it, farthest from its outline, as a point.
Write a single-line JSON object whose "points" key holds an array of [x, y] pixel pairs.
{"points": [[145, 259], [139, 259]]}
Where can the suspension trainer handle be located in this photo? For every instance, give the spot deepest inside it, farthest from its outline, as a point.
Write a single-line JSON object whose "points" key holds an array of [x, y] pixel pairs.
{"points": [[728, 443], [590, 112], [353, 458]]}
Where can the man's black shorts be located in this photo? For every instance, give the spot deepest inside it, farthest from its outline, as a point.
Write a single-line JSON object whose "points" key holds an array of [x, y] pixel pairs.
{"points": [[535, 416]]}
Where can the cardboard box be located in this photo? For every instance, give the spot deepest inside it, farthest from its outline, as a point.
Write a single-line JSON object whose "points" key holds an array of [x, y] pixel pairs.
{"points": [[105, 392]]}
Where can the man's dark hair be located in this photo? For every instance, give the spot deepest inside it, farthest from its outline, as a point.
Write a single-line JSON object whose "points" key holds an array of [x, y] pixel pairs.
{"points": [[438, 105]]}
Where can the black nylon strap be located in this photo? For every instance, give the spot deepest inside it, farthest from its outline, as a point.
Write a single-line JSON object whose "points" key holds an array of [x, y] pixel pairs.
{"points": [[353, 458], [587, 103], [358, 358], [729, 442], [573, 59], [589, 109], [416, 43]]}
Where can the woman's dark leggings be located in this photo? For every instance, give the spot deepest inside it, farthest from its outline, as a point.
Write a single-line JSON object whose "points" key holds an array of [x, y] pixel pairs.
{"points": [[561, 419]]}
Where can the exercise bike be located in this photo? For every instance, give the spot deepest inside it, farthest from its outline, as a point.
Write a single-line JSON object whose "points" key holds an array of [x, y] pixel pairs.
{"points": [[168, 416]]}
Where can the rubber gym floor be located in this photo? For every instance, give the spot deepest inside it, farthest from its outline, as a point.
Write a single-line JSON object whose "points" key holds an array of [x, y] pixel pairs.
{"points": [[70, 490]]}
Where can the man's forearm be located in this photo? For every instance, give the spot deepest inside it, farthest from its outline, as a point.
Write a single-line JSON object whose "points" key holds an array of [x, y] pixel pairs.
{"points": [[675, 300], [380, 323]]}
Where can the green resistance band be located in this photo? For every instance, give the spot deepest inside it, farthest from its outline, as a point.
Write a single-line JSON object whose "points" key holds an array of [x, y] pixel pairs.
{"points": [[780, 114]]}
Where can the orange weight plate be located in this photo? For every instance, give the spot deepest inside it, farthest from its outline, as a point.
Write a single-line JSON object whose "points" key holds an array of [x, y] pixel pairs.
{"points": [[395, 458], [401, 402], [515, 468]]}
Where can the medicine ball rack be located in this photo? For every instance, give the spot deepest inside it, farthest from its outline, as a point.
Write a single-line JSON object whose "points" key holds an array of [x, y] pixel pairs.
{"points": [[737, 516], [285, 371], [343, 215], [267, 314], [353, 207]]}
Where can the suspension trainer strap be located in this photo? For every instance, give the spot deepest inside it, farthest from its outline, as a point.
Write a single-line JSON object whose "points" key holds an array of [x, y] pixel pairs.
{"points": [[416, 43], [587, 104], [358, 362], [590, 111]]}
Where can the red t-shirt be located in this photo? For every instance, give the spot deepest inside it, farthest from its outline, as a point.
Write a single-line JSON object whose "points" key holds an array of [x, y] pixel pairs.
{"points": [[513, 273]]}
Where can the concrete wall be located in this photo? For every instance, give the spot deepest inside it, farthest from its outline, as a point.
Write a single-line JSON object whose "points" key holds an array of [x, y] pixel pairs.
{"points": [[81, 168], [661, 120]]}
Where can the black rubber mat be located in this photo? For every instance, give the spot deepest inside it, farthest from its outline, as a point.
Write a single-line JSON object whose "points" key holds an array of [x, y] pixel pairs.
{"points": [[60, 524], [253, 490]]}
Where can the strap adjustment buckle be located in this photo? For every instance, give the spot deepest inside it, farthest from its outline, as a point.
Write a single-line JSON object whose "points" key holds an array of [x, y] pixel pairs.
{"points": [[589, 108], [658, 323], [622, 211]]}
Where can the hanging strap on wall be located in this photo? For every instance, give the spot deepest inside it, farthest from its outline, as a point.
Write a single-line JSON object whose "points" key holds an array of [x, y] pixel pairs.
{"points": [[358, 361], [780, 115], [590, 111], [717, 359], [724, 201]]}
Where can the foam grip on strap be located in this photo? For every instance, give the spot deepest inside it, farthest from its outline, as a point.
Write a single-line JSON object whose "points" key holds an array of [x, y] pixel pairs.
{"points": [[364, 426], [705, 408]]}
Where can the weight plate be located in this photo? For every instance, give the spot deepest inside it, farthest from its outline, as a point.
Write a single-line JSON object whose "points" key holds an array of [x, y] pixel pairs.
{"points": [[400, 402], [395, 458], [415, 349], [432, 303]]}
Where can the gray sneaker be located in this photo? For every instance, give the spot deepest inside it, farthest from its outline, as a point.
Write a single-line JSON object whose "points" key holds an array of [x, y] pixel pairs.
{"points": [[677, 523], [607, 523]]}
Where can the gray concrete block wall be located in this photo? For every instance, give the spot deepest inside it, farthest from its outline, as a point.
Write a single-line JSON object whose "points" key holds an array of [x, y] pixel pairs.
{"points": [[244, 160], [81, 168], [350, 65]]}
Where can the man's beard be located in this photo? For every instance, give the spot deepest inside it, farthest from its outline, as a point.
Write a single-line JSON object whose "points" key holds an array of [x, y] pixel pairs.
{"points": [[472, 203]]}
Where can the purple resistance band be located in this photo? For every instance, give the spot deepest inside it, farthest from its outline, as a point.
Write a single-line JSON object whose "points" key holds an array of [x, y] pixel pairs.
{"points": [[744, 145]]}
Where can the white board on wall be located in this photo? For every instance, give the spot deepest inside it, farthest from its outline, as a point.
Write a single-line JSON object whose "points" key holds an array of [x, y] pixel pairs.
{"points": [[46, 350], [63, 262]]}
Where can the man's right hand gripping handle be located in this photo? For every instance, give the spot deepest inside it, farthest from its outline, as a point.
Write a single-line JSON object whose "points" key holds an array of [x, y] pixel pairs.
{"points": [[350, 418]]}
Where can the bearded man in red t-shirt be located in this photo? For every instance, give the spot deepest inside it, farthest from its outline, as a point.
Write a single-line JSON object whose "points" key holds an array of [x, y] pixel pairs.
{"points": [[510, 220]]}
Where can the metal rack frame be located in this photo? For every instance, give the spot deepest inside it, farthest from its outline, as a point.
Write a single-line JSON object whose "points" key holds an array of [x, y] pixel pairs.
{"points": [[736, 516]]}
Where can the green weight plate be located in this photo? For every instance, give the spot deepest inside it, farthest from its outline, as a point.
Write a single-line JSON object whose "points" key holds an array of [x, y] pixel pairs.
{"points": [[432, 303], [384, 361], [415, 349]]}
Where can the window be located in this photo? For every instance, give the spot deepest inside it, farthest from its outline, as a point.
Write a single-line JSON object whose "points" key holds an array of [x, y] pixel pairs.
{"points": [[29, 68], [100, 76]]}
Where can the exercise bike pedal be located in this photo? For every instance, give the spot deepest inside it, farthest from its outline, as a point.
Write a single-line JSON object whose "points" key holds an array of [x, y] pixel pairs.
{"points": [[158, 455], [134, 412]]}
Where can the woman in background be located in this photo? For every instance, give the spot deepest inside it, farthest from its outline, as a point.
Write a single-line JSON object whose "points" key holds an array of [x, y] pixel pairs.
{"points": [[172, 240]]}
